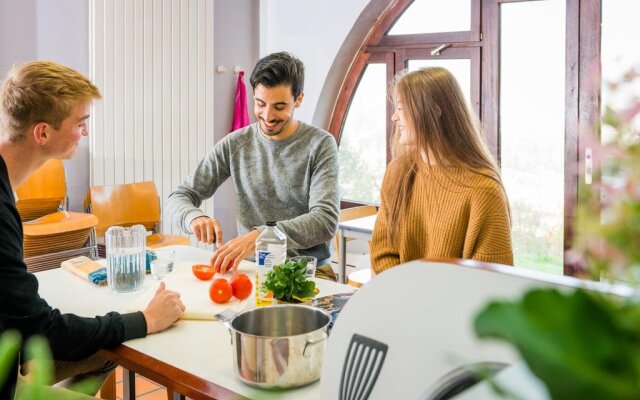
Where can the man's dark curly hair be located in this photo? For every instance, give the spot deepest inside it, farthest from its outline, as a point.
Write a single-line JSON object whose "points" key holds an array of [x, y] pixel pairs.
{"points": [[279, 69]]}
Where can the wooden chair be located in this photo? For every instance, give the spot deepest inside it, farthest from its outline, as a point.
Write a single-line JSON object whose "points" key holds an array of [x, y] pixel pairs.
{"points": [[127, 205], [51, 233], [348, 214], [45, 192]]}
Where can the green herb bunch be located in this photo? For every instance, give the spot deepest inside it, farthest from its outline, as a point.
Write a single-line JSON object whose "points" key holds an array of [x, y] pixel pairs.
{"points": [[288, 282]]}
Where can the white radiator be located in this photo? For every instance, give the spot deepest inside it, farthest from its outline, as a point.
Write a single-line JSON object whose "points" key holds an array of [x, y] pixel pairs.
{"points": [[153, 62]]}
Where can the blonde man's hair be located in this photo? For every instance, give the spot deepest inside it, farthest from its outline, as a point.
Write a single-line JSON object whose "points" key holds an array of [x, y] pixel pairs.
{"points": [[41, 91]]}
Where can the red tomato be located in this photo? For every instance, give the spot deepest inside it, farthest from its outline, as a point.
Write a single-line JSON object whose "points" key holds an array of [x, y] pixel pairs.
{"points": [[241, 285], [229, 267], [220, 291], [203, 272]]}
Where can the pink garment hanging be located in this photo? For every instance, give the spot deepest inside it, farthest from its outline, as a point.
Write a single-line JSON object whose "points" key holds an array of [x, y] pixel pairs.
{"points": [[240, 111]]}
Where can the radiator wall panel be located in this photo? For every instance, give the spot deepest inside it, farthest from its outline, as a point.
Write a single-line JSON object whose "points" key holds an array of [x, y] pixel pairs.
{"points": [[153, 62]]}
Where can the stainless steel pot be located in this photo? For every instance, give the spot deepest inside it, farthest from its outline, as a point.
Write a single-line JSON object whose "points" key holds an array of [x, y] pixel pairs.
{"points": [[278, 346]]}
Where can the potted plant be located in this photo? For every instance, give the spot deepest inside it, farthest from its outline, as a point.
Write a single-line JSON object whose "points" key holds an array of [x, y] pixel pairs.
{"points": [[581, 344]]}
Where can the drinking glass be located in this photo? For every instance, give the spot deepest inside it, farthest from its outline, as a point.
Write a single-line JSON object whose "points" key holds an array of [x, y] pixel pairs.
{"points": [[162, 263], [312, 262]]}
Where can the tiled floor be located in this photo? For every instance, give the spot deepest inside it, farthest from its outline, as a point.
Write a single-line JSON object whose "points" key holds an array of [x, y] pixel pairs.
{"points": [[145, 389]]}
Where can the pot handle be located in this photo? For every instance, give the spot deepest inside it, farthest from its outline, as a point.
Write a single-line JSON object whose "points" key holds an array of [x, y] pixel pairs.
{"points": [[311, 343], [226, 316]]}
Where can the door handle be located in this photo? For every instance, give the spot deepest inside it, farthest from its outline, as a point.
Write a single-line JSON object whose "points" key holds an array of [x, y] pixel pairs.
{"points": [[588, 166]]}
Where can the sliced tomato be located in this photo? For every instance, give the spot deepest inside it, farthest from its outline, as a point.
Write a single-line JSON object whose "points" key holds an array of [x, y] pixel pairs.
{"points": [[220, 291], [203, 272], [241, 285]]}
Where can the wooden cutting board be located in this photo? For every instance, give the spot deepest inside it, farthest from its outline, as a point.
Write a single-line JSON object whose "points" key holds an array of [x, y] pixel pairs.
{"points": [[194, 293]]}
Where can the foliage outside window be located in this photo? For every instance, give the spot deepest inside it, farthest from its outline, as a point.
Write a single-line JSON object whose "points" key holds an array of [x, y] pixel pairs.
{"points": [[362, 152]]}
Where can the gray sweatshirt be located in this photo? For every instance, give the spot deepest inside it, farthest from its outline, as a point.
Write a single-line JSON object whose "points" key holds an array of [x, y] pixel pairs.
{"points": [[294, 182]]}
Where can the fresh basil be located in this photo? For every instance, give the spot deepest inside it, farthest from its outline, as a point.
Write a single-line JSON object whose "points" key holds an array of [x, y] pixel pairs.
{"points": [[289, 281]]}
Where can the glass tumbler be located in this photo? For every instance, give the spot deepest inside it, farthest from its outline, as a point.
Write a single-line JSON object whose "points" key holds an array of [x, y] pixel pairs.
{"points": [[162, 263], [312, 262], [125, 257]]}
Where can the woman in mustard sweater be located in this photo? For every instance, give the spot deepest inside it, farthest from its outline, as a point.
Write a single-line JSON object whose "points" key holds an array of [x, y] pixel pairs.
{"points": [[442, 196]]}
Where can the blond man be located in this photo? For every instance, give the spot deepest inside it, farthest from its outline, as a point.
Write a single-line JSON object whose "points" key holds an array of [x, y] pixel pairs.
{"points": [[44, 108]]}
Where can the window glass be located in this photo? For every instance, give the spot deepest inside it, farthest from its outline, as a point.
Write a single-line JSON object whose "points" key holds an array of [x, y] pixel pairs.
{"points": [[532, 104], [431, 16], [363, 147], [461, 69], [619, 61], [618, 57]]}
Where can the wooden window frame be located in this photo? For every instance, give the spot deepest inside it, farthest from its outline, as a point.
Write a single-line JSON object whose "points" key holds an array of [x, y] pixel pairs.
{"points": [[582, 78]]}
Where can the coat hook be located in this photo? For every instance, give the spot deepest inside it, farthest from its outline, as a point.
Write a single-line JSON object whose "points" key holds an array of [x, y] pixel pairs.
{"points": [[221, 69], [237, 69]]}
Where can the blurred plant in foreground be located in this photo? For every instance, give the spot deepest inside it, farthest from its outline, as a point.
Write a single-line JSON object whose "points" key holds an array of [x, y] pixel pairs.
{"points": [[607, 228], [584, 344], [41, 370]]}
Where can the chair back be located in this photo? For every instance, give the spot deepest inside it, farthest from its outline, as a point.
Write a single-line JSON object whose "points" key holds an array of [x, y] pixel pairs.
{"points": [[124, 205], [44, 192]]}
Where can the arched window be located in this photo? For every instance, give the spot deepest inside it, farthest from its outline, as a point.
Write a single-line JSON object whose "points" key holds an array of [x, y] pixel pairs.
{"points": [[408, 36], [531, 87]]}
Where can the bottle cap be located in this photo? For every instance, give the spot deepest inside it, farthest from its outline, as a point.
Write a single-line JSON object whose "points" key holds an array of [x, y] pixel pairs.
{"points": [[271, 223]]}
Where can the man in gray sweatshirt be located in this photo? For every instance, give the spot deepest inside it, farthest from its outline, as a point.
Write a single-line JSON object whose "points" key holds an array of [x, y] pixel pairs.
{"points": [[282, 169]]}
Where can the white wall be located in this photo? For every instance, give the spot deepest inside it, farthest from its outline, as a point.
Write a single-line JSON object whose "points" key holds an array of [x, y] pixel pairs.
{"points": [[236, 43], [312, 30], [17, 35]]}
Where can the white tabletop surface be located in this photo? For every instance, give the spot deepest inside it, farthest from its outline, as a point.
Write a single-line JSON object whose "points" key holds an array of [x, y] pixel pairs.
{"points": [[202, 348], [359, 224]]}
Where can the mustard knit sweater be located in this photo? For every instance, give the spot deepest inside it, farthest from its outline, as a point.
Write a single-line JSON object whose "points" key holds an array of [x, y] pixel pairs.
{"points": [[451, 213]]}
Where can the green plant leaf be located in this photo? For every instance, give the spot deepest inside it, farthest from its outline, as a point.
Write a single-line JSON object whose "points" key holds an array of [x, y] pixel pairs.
{"points": [[580, 344], [289, 281], [37, 350], [89, 386], [9, 349]]}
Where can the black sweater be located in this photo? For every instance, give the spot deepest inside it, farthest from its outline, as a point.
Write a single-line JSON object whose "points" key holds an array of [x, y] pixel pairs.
{"points": [[21, 308]]}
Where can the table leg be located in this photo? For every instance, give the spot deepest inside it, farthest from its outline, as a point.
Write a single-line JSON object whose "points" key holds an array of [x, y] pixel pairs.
{"points": [[128, 384], [343, 257]]}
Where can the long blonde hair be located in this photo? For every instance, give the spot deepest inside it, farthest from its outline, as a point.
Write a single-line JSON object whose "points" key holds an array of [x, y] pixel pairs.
{"points": [[442, 127]]}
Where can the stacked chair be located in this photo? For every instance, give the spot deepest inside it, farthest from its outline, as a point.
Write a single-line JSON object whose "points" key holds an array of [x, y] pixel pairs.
{"points": [[127, 205], [51, 233]]}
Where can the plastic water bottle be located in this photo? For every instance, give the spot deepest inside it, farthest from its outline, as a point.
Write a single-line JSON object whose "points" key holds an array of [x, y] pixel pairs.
{"points": [[271, 249]]}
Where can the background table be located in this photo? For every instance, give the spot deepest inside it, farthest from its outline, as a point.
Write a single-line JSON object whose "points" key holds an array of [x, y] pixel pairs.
{"points": [[193, 358], [359, 228]]}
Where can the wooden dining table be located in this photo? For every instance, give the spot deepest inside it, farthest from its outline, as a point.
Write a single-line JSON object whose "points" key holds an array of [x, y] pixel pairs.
{"points": [[193, 358]]}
